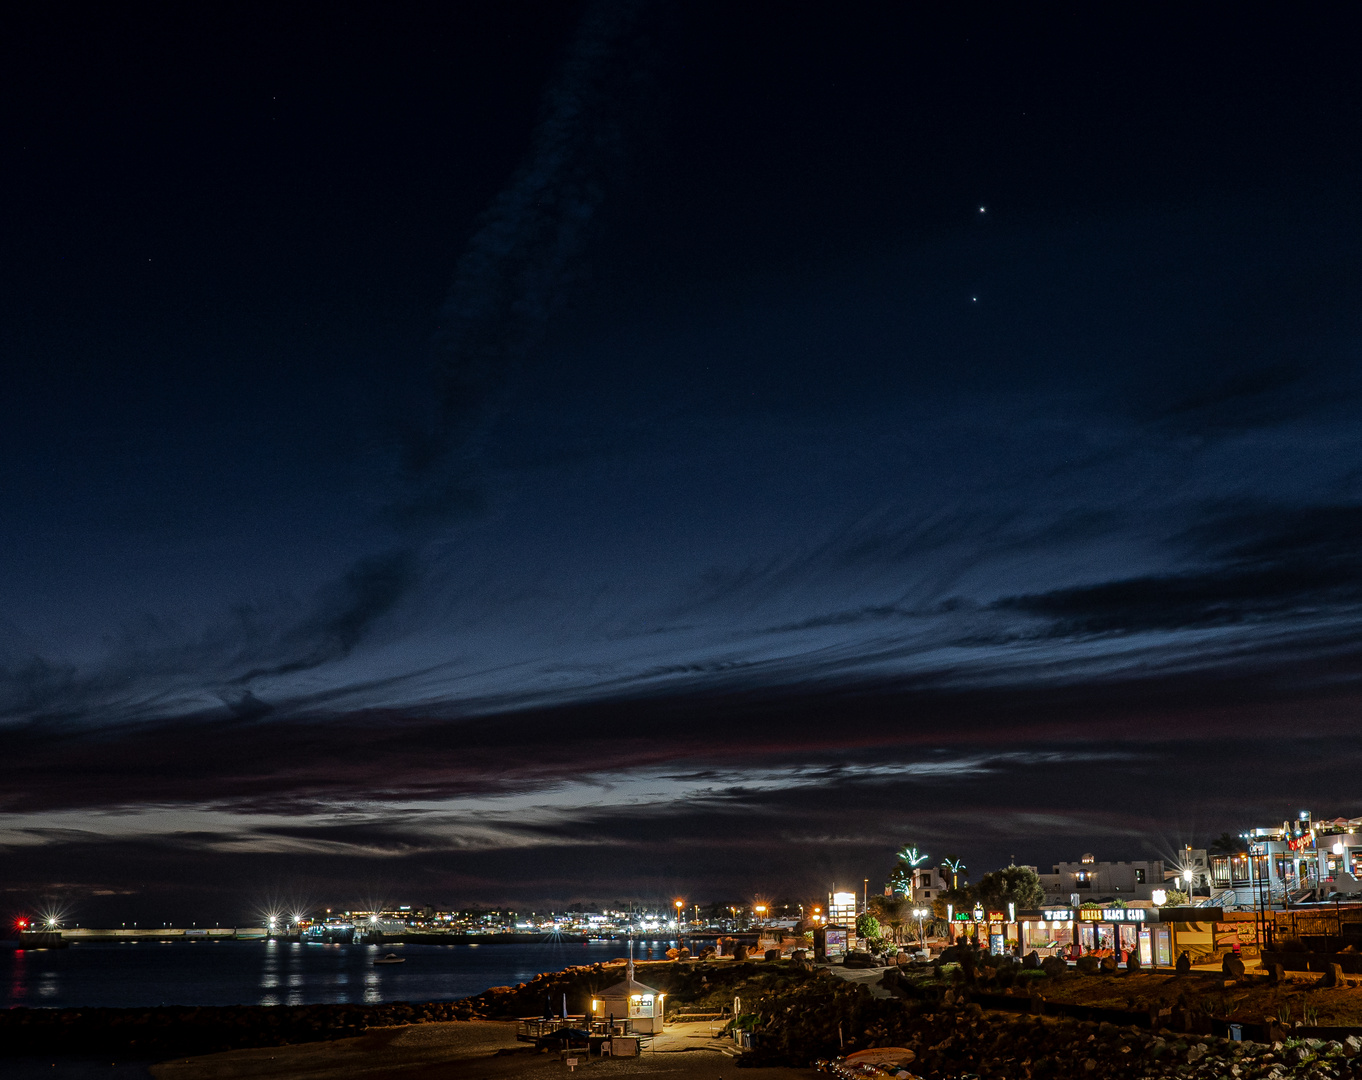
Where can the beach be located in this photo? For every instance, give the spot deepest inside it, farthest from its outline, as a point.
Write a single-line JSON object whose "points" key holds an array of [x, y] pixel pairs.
{"points": [[474, 1050]]}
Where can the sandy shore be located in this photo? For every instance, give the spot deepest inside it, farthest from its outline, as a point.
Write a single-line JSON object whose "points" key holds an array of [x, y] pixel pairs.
{"points": [[435, 1051]]}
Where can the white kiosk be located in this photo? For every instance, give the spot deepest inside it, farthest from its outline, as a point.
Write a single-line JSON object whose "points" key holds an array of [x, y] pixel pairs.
{"points": [[629, 1000]]}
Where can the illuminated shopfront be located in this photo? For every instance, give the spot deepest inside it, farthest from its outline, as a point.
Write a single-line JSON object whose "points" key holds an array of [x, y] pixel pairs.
{"points": [[1121, 932], [1047, 931]]}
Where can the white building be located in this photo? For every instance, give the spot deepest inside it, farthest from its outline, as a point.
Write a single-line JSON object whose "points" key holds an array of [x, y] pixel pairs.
{"points": [[1074, 883], [928, 883], [1302, 860]]}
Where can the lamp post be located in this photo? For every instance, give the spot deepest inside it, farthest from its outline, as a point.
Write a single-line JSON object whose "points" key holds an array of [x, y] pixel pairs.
{"points": [[680, 906], [920, 914]]}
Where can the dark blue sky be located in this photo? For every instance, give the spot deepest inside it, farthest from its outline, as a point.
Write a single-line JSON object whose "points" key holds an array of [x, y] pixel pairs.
{"points": [[540, 452]]}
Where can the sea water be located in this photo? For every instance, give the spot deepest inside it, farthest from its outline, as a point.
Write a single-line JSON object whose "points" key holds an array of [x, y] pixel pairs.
{"points": [[147, 973]]}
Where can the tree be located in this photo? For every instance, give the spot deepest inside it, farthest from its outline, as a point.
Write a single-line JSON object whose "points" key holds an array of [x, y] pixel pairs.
{"points": [[961, 899], [1019, 885], [1225, 844], [910, 857], [892, 911], [867, 926], [1176, 898]]}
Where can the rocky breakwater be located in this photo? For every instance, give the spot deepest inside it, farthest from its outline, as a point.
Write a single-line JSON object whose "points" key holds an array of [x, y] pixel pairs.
{"points": [[820, 1022]]}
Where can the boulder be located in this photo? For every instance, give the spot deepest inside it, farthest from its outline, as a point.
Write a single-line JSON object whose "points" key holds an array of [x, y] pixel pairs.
{"points": [[1184, 964], [1110, 965], [1231, 966], [1032, 960], [1334, 976], [1133, 964], [772, 954], [1054, 966], [1087, 965]]}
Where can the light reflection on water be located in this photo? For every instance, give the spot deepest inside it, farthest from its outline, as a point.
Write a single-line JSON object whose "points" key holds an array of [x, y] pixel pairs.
{"points": [[208, 972]]}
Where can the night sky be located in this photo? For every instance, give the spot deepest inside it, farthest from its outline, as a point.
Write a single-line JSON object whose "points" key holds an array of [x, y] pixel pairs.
{"points": [[532, 453]]}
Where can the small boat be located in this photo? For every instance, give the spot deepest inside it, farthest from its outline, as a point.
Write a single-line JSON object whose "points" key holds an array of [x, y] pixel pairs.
{"points": [[391, 958]]}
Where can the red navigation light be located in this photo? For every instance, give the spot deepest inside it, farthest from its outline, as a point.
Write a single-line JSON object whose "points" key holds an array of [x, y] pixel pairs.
{"points": [[23, 923]]}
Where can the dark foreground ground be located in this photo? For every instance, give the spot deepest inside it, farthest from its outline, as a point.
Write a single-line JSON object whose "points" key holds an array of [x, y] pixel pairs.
{"points": [[798, 1015]]}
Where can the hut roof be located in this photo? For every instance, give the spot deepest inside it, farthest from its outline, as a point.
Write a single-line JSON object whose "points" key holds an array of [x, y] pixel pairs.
{"points": [[626, 988]]}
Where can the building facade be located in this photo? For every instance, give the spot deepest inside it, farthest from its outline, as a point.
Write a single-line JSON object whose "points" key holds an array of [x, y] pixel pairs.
{"points": [[1072, 884], [928, 883], [1298, 861]]}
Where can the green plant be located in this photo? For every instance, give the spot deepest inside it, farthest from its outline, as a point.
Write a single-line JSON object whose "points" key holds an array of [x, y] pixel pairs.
{"points": [[1019, 885]]}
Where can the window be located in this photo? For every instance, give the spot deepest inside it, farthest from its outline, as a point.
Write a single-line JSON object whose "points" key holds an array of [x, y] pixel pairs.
{"points": [[1139, 875]]}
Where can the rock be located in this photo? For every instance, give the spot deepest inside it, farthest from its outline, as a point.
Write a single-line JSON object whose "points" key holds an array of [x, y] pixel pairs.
{"points": [[1133, 964], [1276, 974], [772, 954], [1054, 966], [1109, 965], [1087, 965], [1352, 1046], [1031, 961], [1334, 976], [1231, 966], [1184, 964]]}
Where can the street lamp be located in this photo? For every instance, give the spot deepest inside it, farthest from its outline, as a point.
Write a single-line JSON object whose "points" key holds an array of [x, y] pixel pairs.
{"points": [[920, 914], [680, 905]]}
